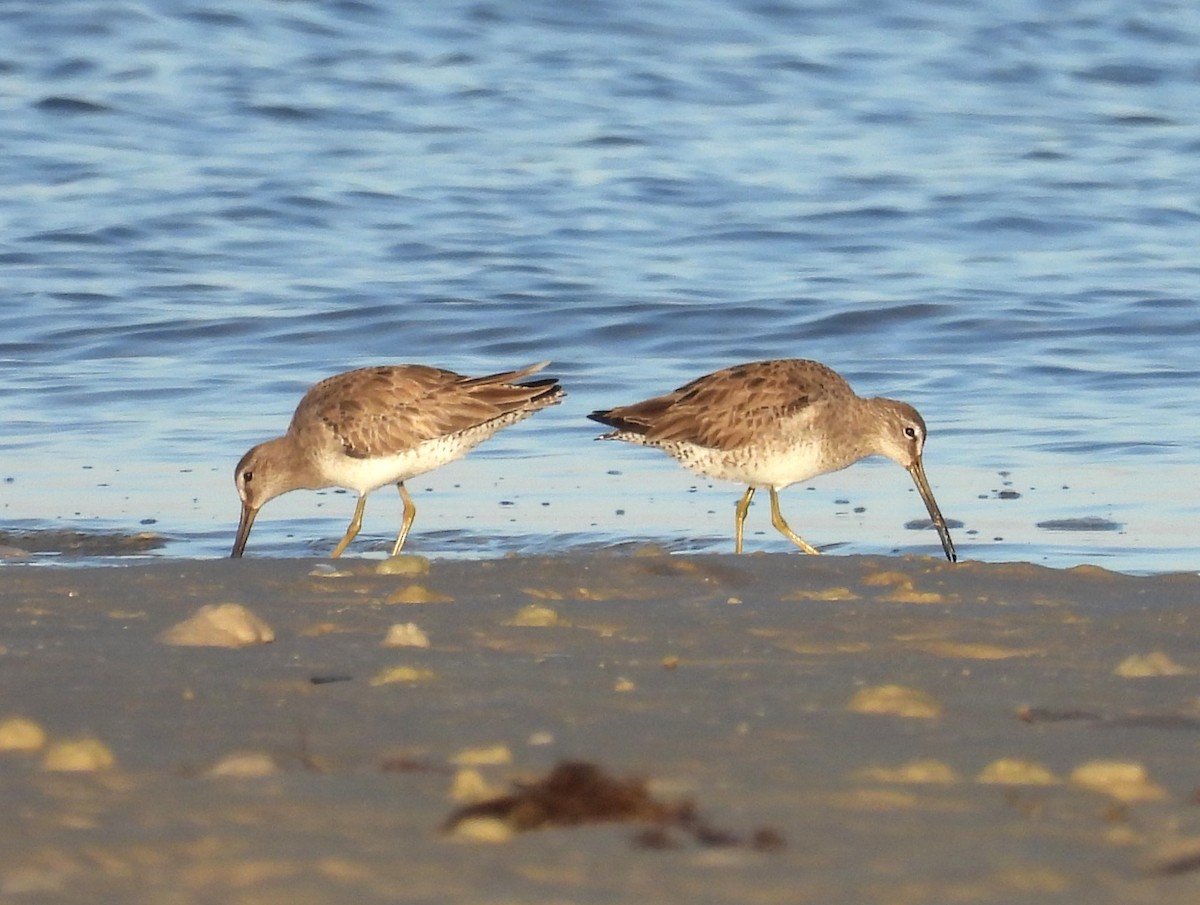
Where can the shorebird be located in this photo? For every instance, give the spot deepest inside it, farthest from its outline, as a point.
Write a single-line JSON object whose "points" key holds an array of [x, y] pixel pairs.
{"points": [[771, 424], [383, 425]]}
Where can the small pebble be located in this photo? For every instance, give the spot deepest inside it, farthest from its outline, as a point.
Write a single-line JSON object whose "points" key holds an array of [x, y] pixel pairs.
{"points": [[406, 634], [219, 625], [404, 564], [1012, 771], [20, 734], [896, 700], [416, 593], [535, 616], [244, 765], [1126, 781], [469, 786], [409, 674], [482, 829], [1143, 666], [83, 755]]}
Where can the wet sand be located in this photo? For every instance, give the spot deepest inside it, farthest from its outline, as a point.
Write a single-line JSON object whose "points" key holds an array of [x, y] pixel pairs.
{"points": [[898, 730]]}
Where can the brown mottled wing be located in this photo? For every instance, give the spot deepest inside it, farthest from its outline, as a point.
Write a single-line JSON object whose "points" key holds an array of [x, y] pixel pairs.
{"points": [[381, 410], [730, 408]]}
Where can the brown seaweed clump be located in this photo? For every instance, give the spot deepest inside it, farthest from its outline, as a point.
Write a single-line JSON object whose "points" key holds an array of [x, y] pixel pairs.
{"points": [[575, 793]]}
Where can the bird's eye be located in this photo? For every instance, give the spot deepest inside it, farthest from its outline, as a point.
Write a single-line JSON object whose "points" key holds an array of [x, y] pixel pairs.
{"points": [[910, 432], [247, 477]]}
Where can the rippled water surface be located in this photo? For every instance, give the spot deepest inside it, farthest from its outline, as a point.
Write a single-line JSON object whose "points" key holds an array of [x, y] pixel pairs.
{"points": [[991, 211]]}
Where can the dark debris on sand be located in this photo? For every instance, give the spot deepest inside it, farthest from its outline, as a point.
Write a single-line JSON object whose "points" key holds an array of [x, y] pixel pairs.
{"points": [[574, 793]]}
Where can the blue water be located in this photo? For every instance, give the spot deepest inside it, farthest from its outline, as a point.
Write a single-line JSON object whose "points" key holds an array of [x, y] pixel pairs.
{"points": [[991, 211]]}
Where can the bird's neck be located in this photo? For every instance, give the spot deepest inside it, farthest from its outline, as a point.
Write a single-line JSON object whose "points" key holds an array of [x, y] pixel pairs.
{"points": [[303, 470], [860, 443]]}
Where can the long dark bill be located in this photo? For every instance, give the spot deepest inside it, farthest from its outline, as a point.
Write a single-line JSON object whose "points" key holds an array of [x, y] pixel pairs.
{"points": [[918, 475], [243, 532]]}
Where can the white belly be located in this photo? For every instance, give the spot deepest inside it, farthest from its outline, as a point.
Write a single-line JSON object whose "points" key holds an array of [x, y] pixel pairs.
{"points": [[776, 467], [365, 475]]}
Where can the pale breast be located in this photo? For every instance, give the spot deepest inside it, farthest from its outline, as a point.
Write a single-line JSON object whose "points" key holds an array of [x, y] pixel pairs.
{"points": [[757, 466]]}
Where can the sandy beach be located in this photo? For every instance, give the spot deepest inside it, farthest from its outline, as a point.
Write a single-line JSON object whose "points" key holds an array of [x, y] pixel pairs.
{"points": [[848, 729]]}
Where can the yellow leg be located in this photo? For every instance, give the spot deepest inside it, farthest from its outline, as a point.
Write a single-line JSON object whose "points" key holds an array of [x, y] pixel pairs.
{"points": [[782, 526], [743, 507], [410, 513], [355, 524]]}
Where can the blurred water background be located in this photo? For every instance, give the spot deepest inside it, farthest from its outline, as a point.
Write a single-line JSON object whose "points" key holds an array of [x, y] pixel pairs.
{"points": [[989, 210]]}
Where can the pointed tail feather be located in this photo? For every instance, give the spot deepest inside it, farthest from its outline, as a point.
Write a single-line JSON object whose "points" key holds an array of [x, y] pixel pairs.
{"points": [[510, 376]]}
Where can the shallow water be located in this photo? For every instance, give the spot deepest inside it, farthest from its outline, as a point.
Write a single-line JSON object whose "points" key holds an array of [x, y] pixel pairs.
{"points": [[990, 213]]}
